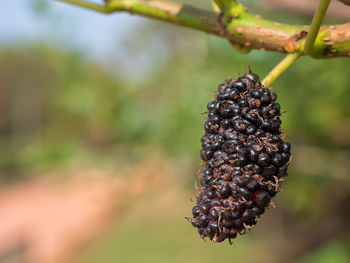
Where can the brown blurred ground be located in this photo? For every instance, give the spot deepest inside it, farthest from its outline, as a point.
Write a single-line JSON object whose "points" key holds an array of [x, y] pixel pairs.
{"points": [[45, 221]]}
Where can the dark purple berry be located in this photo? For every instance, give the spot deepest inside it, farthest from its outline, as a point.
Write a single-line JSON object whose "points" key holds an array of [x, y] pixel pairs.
{"points": [[252, 185], [245, 193], [264, 159], [195, 211], [261, 198], [206, 154], [213, 214], [202, 220], [258, 210], [195, 224], [235, 214], [244, 156], [286, 147], [227, 223], [209, 232], [240, 86], [204, 207], [224, 191], [215, 202], [209, 193], [278, 160], [247, 216], [214, 226]]}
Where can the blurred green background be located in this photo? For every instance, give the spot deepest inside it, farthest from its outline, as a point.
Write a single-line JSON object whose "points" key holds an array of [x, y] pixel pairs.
{"points": [[61, 107]]}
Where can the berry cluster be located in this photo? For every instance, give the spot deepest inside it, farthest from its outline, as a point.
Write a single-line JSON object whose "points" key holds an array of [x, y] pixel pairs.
{"points": [[245, 158]]}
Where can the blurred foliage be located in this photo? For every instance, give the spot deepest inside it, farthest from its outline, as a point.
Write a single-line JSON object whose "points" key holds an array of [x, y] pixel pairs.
{"points": [[66, 108], [53, 111], [40, 6]]}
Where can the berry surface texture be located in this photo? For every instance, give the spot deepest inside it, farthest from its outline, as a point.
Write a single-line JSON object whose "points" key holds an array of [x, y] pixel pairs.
{"points": [[245, 158]]}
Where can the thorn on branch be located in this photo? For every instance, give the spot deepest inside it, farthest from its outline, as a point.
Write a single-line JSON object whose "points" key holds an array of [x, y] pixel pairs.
{"points": [[247, 44], [330, 43], [239, 30]]}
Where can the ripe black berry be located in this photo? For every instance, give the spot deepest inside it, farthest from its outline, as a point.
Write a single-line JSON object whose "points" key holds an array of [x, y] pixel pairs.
{"points": [[213, 214], [264, 159], [225, 191], [214, 226], [247, 216], [261, 198], [202, 220], [196, 211], [204, 207], [286, 147], [245, 158]]}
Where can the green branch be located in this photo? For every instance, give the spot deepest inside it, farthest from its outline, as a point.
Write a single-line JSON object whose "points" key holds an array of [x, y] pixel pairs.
{"points": [[242, 29], [174, 12], [315, 26]]}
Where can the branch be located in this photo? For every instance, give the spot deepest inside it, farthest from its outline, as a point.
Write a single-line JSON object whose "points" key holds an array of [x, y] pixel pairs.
{"points": [[235, 24]]}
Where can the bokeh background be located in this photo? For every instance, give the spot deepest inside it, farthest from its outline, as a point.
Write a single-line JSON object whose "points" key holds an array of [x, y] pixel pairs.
{"points": [[100, 126]]}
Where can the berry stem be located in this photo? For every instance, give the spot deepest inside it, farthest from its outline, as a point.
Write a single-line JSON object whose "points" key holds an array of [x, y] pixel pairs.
{"points": [[315, 26], [280, 68]]}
